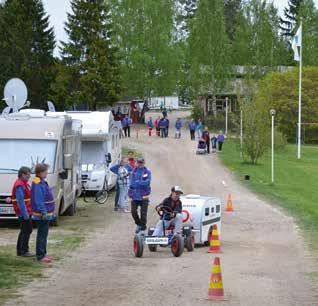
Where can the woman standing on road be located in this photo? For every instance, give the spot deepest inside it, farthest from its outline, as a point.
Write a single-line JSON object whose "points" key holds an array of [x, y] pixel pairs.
{"points": [[221, 139], [123, 171]]}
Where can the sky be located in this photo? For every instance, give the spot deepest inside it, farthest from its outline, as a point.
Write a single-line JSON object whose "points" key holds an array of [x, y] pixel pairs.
{"points": [[57, 9]]}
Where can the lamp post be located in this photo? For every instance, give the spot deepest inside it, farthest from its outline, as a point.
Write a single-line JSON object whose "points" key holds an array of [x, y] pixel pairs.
{"points": [[241, 133], [273, 113], [226, 113]]}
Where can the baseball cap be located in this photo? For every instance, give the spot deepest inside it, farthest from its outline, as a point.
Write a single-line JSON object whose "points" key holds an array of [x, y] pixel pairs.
{"points": [[140, 160], [177, 189]]}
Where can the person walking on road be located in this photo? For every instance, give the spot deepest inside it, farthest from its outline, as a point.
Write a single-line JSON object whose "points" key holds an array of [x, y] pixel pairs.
{"points": [[126, 123], [221, 139], [162, 127], [192, 127], [199, 129], [178, 127], [206, 138], [156, 123], [21, 199], [214, 142], [139, 192], [43, 207], [166, 126], [150, 126], [123, 171]]}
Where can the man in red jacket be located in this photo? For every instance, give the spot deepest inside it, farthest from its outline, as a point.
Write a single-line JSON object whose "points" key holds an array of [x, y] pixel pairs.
{"points": [[21, 199]]}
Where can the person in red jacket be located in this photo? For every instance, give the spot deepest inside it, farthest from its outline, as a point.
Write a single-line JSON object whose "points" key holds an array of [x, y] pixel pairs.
{"points": [[21, 199], [131, 159], [206, 138]]}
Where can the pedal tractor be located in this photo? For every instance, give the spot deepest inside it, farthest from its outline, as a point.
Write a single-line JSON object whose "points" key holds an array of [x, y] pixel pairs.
{"points": [[175, 241]]}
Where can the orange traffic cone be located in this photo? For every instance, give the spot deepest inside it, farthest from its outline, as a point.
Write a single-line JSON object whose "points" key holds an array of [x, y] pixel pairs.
{"points": [[229, 204], [216, 291], [215, 245]]}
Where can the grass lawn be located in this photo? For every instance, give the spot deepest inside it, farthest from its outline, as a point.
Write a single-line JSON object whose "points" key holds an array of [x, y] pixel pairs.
{"points": [[296, 183]]}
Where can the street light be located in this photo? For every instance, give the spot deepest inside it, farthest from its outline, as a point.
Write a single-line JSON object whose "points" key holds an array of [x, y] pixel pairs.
{"points": [[273, 113], [226, 113]]}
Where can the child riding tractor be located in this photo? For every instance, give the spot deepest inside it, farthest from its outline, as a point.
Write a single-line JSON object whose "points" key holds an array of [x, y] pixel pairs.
{"points": [[169, 230]]}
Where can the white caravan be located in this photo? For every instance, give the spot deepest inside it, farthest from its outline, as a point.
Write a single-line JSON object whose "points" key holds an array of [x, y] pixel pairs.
{"points": [[29, 137], [101, 148], [202, 213]]}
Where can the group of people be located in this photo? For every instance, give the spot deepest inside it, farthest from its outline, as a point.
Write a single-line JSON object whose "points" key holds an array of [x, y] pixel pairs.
{"points": [[161, 127], [33, 203], [134, 182], [203, 135]]}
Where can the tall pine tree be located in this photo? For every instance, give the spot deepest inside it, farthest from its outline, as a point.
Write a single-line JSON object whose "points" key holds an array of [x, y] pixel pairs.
{"points": [[287, 23], [26, 47], [91, 72]]}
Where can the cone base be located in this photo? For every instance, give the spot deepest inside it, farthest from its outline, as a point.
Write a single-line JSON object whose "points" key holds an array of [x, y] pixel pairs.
{"points": [[216, 298], [215, 251]]}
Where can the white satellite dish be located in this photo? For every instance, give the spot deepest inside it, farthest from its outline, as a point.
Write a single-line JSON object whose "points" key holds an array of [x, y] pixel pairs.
{"points": [[15, 94], [51, 106]]}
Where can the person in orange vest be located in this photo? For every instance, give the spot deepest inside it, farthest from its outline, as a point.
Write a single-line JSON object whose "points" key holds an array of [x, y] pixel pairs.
{"points": [[21, 199]]}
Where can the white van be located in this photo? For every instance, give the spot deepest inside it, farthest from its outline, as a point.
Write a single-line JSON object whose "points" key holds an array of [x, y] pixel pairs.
{"points": [[101, 148], [27, 138], [202, 212]]}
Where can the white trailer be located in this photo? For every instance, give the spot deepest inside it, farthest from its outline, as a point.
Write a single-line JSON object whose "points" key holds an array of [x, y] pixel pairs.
{"points": [[202, 212], [101, 148], [29, 137], [169, 102]]}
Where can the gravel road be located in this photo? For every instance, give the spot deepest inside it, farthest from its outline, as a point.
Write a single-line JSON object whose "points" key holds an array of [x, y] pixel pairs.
{"points": [[264, 261]]}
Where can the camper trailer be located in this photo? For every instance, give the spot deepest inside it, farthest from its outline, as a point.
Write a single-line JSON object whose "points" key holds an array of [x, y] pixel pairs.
{"points": [[201, 212], [29, 137], [101, 148]]}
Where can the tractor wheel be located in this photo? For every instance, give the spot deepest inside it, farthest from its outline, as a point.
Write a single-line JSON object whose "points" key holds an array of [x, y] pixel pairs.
{"points": [[138, 246], [177, 245]]}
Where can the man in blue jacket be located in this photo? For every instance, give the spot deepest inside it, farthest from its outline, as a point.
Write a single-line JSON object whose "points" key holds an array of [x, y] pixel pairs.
{"points": [[126, 123], [139, 192], [178, 126], [192, 128]]}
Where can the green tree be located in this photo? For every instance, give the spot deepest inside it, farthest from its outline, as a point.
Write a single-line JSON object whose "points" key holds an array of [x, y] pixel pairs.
{"points": [[232, 10], [291, 12], [257, 42], [91, 73], [309, 14], [209, 48], [147, 44], [280, 91], [26, 47]]}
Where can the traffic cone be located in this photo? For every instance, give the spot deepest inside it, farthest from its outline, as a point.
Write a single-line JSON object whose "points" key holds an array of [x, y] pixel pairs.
{"points": [[229, 204], [216, 291], [215, 245]]}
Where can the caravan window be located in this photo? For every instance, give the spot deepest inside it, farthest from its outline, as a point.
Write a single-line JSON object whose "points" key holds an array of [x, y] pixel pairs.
{"points": [[26, 152], [207, 211], [93, 154]]}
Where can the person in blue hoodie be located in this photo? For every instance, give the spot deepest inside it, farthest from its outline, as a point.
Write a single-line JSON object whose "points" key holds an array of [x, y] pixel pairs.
{"points": [[178, 126], [139, 192], [150, 126], [192, 128], [43, 208]]}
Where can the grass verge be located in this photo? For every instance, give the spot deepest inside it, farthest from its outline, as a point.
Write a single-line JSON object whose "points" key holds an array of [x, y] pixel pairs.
{"points": [[295, 188]]}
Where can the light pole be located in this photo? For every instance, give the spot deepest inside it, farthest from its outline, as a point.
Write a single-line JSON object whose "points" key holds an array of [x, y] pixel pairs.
{"points": [[273, 113], [226, 113], [241, 133]]}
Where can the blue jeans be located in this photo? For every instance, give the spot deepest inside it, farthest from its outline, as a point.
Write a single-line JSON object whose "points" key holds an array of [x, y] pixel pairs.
{"points": [[123, 196], [41, 238]]}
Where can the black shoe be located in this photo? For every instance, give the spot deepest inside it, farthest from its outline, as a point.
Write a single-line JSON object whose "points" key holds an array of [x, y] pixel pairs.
{"points": [[27, 254]]}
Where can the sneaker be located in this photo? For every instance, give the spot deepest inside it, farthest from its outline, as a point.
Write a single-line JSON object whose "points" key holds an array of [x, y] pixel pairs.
{"points": [[27, 254], [46, 260], [142, 233], [138, 229], [125, 210]]}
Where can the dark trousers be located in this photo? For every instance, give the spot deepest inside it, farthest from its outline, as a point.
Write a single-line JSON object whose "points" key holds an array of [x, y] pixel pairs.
{"points": [[127, 131], [24, 236], [220, 144], [116, 196], [192, 134], [158, 131], [41, 238], [162, 132], [208, 146], [142, 220]]}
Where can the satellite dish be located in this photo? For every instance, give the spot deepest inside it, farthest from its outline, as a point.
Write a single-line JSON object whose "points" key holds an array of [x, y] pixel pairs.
{"points": [[51, 106], [15, 94], [6, 111]]}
